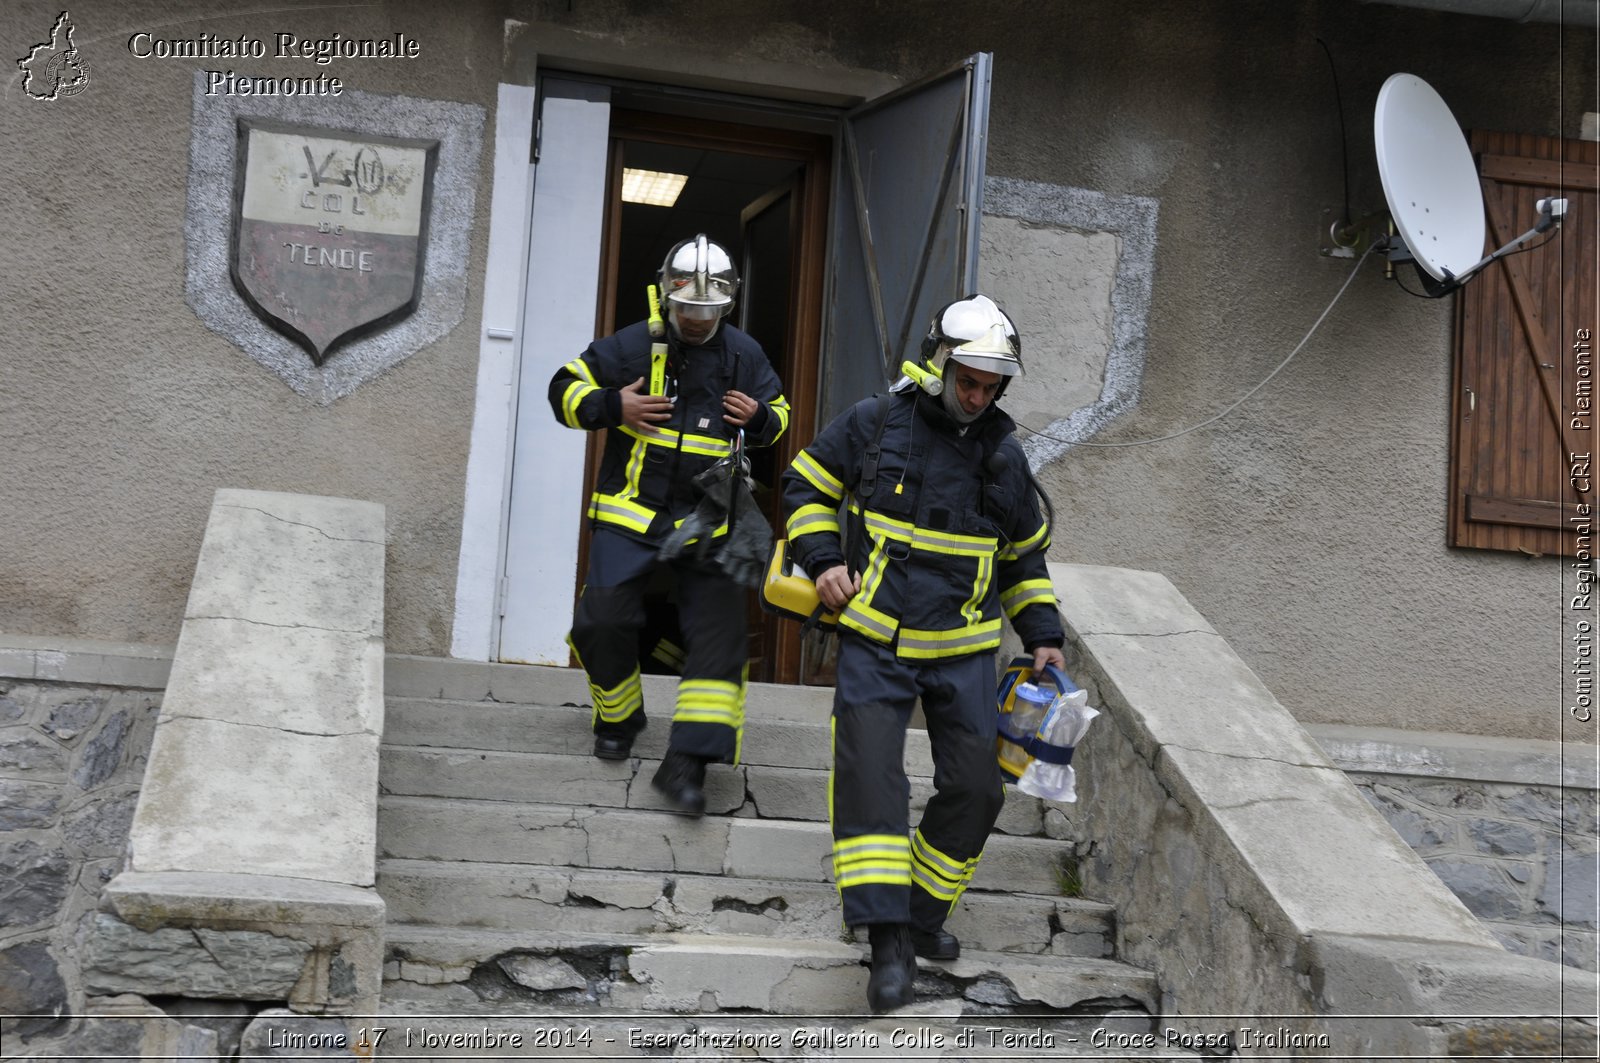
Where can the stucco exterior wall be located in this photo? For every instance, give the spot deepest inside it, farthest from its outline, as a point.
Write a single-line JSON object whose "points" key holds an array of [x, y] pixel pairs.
{"points": [[1308, 526]]}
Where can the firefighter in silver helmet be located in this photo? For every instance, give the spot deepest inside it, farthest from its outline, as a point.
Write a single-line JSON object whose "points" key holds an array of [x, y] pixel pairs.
{"points": [[675, 395], [951, 535]]}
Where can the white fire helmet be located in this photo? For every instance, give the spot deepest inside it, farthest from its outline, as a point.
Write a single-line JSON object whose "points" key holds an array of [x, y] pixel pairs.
{"points": [[977, 333]]}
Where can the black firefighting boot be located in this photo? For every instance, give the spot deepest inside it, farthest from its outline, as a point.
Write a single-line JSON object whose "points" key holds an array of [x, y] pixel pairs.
{"points": [[681, 779], [894, 967], [936, 944], [614, 741]]}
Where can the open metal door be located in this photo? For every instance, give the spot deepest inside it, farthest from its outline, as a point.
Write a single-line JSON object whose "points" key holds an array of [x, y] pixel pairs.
{"points": [[907, 203]]}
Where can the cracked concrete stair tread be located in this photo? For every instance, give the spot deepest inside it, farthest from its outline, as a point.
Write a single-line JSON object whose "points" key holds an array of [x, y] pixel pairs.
{"points": [[553, 778], [744, 847], [1052, 981], [489, 895]]}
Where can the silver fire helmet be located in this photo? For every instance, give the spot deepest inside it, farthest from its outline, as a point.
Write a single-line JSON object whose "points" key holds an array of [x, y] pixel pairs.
{"points": [[699, 275]]}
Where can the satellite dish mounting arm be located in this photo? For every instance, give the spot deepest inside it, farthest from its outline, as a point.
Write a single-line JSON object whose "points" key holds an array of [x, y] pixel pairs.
{"points": [[1551, 212]]}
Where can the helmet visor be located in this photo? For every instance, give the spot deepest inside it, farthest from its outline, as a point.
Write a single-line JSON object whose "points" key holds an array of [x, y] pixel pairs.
{"points": [[1004, 364], [699, 311]]}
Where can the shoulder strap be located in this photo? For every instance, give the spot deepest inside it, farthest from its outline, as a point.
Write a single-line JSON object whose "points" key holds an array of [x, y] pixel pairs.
{"points": [[867, 482]]}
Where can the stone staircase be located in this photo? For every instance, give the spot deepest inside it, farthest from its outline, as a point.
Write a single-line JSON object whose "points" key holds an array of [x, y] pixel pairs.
{"points": [[531, 887]]}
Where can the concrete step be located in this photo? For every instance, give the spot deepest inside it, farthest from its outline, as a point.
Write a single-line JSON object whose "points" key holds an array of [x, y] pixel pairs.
{"points": [[508, 896], [701, 973], [517, 684], [773, 735], [749, 789], [937, 1029], [428, 828]]}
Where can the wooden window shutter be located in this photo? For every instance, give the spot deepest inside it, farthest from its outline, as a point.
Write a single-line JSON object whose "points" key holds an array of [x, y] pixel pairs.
{"points": [[1524, 355]]}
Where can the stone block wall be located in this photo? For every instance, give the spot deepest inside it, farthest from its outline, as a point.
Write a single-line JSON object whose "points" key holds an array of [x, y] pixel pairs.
{"points": [[1510, 826], [72, 757]]}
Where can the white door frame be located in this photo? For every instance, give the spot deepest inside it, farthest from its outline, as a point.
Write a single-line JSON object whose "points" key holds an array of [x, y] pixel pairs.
{"points": [[541, 463]]}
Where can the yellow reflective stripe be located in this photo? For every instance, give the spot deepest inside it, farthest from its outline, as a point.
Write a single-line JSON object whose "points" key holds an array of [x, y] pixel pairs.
{"points": [[818, 477], [1039, 540], [980, 590], [884, 858], [704, 446], [810, 519], [618, 703], [722, 529], [631, 471], [580, 369], [971, 639], [833, 734], [780, 409], [669, 653], [937, 873], [1015, 599], [664, 437], [939, 863], [620, 510], [937, 542], [710, 701], [859, 615], [576, 392]]}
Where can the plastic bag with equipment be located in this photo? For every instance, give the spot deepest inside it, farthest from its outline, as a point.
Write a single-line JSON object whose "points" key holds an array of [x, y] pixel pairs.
{"points": [[725, 496], [1038, 730]]}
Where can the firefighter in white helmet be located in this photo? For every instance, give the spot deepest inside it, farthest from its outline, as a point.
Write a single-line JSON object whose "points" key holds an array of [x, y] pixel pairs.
{"points": [[951, 535], [675, 396]]}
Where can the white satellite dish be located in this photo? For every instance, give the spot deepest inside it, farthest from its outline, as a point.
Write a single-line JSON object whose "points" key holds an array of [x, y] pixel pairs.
{"points": [[1428, 178], [1432, 187]]}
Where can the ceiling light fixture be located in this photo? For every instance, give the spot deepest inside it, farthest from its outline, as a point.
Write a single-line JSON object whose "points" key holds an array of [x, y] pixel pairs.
{"points": [[652, 187]]}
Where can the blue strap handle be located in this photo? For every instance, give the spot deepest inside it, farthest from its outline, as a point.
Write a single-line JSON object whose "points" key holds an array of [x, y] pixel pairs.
{"points": [[1059, 678]]}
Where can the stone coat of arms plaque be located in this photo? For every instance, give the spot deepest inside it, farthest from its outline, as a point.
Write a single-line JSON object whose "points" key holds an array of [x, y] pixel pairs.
{"points": [[330, 229]]}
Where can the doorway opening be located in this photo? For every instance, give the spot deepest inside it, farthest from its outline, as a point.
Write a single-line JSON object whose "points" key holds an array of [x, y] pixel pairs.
{"points": [[762, 193]]}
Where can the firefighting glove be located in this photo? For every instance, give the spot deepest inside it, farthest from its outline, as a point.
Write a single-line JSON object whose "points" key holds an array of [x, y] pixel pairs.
{"points": [[749, 541], [715, 484]]}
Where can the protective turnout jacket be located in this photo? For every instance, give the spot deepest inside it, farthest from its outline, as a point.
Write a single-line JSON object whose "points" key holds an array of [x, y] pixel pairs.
{"points": [[953, 531], [645, 487]]}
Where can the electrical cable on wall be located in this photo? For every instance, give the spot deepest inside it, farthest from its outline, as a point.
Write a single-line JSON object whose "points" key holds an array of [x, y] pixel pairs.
{"points": [[1234, 405]]}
